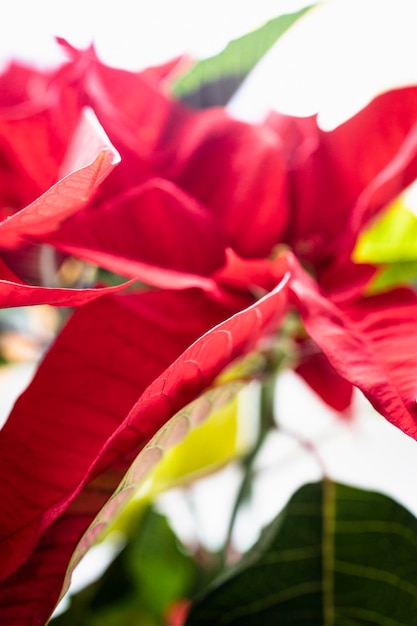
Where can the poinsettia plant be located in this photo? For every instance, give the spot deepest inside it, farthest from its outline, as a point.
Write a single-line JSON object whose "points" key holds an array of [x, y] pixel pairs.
{"points": [[220, 252]]}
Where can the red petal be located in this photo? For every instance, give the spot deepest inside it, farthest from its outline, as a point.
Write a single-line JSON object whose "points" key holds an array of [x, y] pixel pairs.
{"points": [[101, 362], [155, 224], [238, 171], [19, 84], [321, 376], [36, 123], [254, 276], [371, 342], [89, 160], [366, 161], [233, 168], [17, 294], [71, 425]]}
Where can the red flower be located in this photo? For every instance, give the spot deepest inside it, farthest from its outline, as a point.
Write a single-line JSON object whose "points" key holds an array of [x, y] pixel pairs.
{"points": [[229, 194], [200, 203], [53, 155]]}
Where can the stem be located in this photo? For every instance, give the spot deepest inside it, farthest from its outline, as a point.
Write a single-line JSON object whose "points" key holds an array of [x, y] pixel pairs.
{"points": [[266, 423]]}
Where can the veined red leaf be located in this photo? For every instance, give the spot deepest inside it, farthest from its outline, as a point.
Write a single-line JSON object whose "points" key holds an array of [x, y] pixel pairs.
{"points": [[206, 153], [371, 342], [36, 125], [334, 171], [99, 365], [137, 230], [234, 182], [14, 294], [203, 152], [76, 430], [90, 158], [171, 434]]}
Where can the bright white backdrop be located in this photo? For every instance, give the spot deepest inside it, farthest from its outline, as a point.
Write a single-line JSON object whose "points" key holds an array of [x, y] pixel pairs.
{"points": [[333, 61]]}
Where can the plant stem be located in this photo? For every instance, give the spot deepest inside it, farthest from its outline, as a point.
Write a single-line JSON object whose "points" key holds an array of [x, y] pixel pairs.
{"points": [[266, 424]]}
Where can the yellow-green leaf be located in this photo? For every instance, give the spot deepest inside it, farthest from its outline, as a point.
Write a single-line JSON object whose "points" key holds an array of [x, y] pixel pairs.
{"points": [[390, 243]]}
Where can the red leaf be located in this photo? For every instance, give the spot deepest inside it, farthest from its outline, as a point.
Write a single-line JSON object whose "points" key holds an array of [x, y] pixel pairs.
{"points": [[238, 171], [13, 292], [21, 86], [371, 342], [36, 124], [17, 294], [252, 276], [364, 163], [89, 160], [229, 166], [73, 426], [138, 229], [321, 376]]}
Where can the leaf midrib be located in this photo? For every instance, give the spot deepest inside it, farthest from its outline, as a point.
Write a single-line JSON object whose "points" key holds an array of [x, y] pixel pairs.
{"points": [[329, 512]]}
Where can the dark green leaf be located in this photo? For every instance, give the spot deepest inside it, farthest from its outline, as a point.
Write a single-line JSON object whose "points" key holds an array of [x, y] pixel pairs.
{"points": [[336, 556], [213, 81]]}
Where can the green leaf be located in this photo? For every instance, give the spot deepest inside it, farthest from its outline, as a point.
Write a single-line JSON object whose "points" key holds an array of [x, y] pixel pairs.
{"points": [[213, 81], [394, 275], [146, 578], [390, 239], [161, 570], [336, 556], [390, 243]]}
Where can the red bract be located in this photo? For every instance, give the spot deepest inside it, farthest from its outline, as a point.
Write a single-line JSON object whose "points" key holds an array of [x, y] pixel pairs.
{"points": [[206, 207], [75, 431], [63, 160], [158, 138], [131, 246], [89, 159], [258, 187], [36, 125], [355, 170], [340, 179], [371, 342]]}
